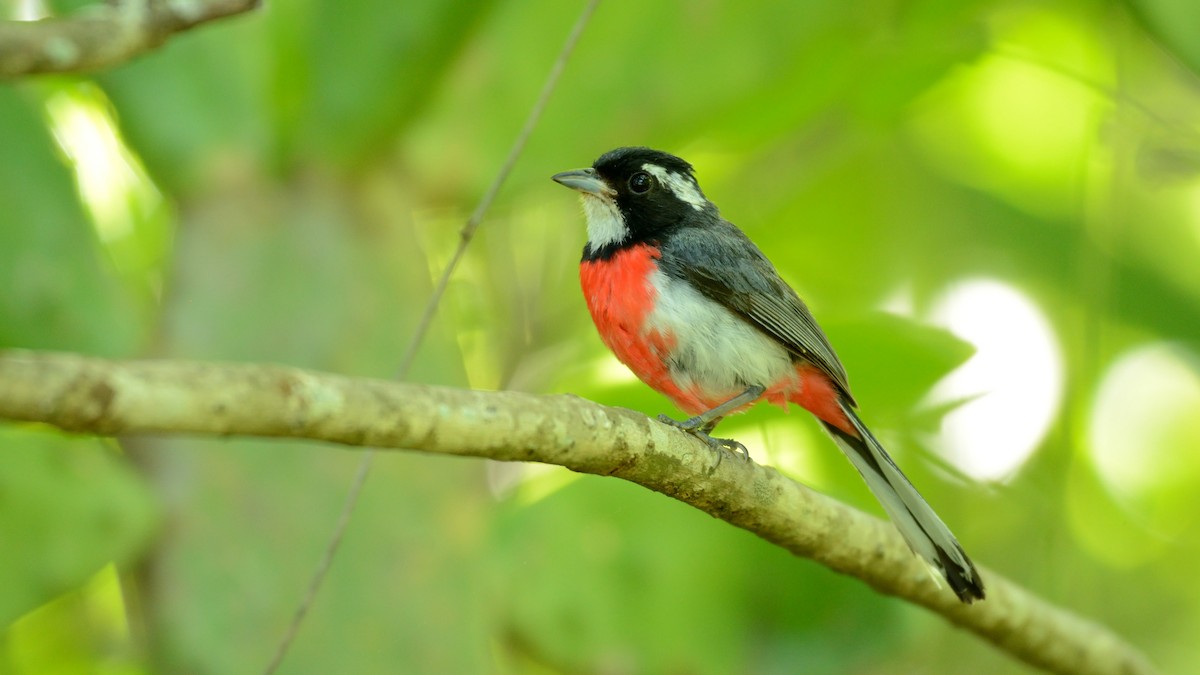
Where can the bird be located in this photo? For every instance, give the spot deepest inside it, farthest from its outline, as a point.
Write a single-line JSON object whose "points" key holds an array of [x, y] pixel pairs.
{"points": [[687, 301]]}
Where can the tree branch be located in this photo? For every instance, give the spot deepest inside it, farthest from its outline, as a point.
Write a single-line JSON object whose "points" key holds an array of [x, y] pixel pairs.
{"points": [[91, 395], [103, 35]]}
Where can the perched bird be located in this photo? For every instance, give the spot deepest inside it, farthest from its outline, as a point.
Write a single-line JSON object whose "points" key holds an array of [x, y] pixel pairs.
{"points": [[694, 309]]}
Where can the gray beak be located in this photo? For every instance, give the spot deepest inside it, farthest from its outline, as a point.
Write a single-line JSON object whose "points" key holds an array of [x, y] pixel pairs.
{"points": [[583, 180]]}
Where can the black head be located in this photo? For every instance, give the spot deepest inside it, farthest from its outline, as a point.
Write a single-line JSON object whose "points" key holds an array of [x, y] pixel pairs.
{"points": [[633, 195]]}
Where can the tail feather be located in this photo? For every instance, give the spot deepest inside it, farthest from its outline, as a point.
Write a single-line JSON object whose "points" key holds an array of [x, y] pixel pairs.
{"points": [[925, 533]]}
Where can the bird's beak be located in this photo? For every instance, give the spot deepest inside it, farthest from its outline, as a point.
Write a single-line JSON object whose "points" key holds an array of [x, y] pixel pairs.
{"points": [[584, 180]]}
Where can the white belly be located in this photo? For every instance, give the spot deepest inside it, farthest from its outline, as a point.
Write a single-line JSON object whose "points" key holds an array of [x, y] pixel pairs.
{"points": [[714, 349]]}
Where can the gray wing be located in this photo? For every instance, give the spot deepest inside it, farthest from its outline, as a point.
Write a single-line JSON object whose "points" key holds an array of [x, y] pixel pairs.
{"points": [[721, 262]]}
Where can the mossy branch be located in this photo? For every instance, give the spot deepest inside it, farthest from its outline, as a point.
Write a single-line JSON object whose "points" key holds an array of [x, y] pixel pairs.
{"points": [[97, 396], [103, 36]]}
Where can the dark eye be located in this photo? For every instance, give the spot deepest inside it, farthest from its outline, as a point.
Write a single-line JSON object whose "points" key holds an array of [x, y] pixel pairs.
{"points": [[640, 182]]}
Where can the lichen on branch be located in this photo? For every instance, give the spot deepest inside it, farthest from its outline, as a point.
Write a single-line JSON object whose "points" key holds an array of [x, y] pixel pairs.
{"points": [[98, 396], [103, 35]]}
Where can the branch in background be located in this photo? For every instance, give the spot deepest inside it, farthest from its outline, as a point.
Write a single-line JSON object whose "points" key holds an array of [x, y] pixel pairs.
{"points": [[103, 35], [90, 395]]}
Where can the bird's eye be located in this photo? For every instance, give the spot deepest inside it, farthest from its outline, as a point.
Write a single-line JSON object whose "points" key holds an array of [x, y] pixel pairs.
{"points": [[640, 182]]}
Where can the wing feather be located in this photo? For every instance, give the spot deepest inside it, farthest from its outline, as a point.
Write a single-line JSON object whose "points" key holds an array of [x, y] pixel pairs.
{"points": [[721, 262]]}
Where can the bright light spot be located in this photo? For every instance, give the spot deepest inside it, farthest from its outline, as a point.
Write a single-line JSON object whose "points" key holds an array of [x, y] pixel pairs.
{"points": [[114, 187], [1014, 380], [29, 10], [611, 372], [783, 442], [1028, 118], [901, 302], [1144, 433], [527, 483], [1020, 122]]}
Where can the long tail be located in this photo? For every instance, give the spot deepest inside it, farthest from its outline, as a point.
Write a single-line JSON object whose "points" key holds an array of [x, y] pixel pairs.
{"points": [[925, 533]]}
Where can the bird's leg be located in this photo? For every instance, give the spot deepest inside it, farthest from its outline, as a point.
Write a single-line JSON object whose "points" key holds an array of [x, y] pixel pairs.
{"points": [[701, 425]]}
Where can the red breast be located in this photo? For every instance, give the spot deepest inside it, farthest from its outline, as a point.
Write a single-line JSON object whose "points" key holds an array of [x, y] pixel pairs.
{"points": [[621, 297]]}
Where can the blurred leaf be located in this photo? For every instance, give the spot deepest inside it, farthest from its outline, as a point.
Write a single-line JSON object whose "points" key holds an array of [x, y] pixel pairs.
{"points": [[898, 360], [1050, 256], [57, 294], [196, 110], [606, 575], [254, 517], [84, 631], [353, 74], [68, 507], [61, 7], [1173, 23]]}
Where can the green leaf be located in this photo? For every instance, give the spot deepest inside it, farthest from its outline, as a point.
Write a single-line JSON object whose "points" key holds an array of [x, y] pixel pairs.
{"points": [[195, 111], [356, 73], [605, 570], [68, 506], [56, 292], [1173, 23], [893, 361]]}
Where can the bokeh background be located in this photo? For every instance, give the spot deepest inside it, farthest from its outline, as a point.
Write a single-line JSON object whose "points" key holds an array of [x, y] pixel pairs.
{"points": [[993, 207]]}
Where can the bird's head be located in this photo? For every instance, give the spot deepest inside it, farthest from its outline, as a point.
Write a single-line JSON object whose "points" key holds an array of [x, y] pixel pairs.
{"points": [[635, 194]]}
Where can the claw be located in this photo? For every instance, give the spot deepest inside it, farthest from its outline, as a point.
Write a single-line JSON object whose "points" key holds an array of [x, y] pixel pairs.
{"points": [[696, 427], [730, 445]]}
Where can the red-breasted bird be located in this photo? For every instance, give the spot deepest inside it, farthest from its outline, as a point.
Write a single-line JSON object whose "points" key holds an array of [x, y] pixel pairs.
{"points": [[694, 309]]}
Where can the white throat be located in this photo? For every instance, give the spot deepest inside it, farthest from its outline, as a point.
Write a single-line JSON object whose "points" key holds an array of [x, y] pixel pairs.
{"points": [[605, 224]]}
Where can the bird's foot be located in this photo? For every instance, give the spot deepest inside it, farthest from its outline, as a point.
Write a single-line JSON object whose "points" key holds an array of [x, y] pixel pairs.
{"points": [[699, 427]]}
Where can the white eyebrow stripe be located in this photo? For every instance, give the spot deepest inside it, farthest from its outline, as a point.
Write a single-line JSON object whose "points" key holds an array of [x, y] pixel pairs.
{"points": [[683, 187]]}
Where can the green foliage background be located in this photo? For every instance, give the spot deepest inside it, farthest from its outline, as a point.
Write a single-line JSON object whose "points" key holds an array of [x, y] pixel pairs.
{"points": [[298, 179]]}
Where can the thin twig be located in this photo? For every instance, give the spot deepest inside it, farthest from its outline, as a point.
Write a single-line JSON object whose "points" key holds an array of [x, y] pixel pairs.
{"points": [[414, 345]]}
